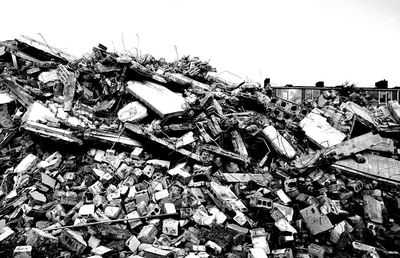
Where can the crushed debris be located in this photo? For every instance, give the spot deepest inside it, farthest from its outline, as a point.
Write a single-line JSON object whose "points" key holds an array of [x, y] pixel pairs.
{"points": [[115, 155]]}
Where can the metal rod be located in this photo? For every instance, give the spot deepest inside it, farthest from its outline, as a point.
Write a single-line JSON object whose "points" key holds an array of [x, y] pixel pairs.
{"points": [[114, 221]]}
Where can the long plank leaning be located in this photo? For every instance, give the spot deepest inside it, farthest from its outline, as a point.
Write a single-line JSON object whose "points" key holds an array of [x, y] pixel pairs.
{"points": [[136, 129], [158, 98]]}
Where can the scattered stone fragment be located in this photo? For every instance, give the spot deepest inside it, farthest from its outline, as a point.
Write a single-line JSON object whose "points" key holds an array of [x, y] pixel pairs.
{"points": [[116, 155]]}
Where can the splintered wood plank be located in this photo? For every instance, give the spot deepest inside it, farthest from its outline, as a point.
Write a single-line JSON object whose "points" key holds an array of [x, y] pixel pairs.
{"points": [[376, 167], [136, 129], [245, 178], [158, 98]]}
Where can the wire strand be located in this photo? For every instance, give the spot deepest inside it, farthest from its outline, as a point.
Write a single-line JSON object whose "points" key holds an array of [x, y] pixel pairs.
{"points": [[40, 34]]}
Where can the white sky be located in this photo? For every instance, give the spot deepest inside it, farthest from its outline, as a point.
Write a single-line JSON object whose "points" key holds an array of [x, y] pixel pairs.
{"points": [[290, 41]]}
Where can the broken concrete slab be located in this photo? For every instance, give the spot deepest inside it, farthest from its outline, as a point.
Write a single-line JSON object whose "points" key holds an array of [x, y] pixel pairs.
{"points": [[315, 220], [376, 167], [54, 53], [362, 114], [55, 133], [157, 97], [373, 208], [110, 137], [280, 144], [345, 149], [319, 131], [26, 164], [394, 108], [225, 198], [139, 131], [132, 112], [49, 76], [5, 98]]}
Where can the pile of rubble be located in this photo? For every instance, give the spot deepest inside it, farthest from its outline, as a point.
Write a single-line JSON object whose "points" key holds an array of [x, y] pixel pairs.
{"points": [[116, 155]]}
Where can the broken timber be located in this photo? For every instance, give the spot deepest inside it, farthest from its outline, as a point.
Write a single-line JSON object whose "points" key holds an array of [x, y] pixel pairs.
{"points": [[354, 145], [245, 178], [111, 138], [394, 108], [186, 81], [238, 143], [54, 53], [21, 95], [47, 131], [113, 221], [139, 131], [16, 52], [228, 154]]}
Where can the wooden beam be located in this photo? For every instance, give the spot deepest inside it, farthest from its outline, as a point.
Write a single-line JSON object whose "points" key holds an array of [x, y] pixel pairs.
{"points": [[21, 95], [238, 143], [228, 154], [245, 178], [111, 138], [51, 132], [136, 129]]}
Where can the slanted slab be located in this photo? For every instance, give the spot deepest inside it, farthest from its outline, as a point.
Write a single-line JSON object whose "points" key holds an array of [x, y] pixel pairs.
{"points": [[319, 131], [345, 149], [48, 51], [362, 113], [394, 108], [280, 144], [136, 129], [377, 167], [157, 97], [355, 145], [109, 137], [245, 178], [21, 95]]}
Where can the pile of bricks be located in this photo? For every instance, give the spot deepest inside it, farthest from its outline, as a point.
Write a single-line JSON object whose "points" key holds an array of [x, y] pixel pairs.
{"points": [[115, 155]]}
